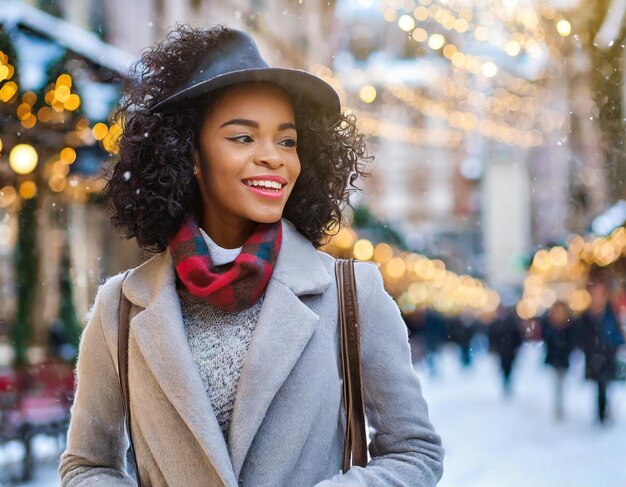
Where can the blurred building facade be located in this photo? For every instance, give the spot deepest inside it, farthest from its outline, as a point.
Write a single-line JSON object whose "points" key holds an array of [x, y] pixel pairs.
{"points": [[490, 144]]}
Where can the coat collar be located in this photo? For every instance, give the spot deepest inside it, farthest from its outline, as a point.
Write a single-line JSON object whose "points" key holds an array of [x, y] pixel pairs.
{"points": [[284, 328]]}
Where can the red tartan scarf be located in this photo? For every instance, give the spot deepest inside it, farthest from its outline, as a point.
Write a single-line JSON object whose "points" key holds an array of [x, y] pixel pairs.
{"points": [[242, 282]]}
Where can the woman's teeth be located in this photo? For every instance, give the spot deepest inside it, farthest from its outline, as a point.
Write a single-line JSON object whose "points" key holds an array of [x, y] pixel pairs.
{"points": [[273, 185]]}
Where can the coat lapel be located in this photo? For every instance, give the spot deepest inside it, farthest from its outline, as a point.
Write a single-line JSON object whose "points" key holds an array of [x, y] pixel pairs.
{"points": [[159, 331], [284, 328]]}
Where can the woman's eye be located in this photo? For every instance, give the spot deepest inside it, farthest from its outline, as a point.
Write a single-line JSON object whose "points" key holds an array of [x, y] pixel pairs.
{"points": [[289, 142], [244, 139]]}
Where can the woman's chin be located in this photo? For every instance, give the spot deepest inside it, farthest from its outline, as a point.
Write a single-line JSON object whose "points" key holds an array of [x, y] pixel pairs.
{"points": [[267, 218]]}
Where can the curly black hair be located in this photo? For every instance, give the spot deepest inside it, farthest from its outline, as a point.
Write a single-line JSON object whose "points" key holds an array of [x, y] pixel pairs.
{"points": [[151, 185]]}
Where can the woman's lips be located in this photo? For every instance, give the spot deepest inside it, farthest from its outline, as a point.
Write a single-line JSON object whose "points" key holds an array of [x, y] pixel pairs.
{"points": [[270, 194]]}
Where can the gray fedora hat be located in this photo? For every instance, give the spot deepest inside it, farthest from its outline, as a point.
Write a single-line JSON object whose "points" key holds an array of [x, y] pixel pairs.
{"points": [[237, 60]]}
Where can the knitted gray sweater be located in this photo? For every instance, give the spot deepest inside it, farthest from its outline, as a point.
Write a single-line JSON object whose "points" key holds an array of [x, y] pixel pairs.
{"points": [[219, 341]]}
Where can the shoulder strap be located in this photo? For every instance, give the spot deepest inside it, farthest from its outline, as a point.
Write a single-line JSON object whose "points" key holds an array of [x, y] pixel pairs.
{"points": [[355, 448], [122, 370]]}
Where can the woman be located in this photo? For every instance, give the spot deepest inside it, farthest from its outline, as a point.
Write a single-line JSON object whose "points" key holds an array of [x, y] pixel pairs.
{"points": [[557, 332], [231, 172]]}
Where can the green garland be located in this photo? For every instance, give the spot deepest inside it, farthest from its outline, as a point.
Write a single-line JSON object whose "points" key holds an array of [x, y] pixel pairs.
{"points": [[26, 275], [67, 311]]}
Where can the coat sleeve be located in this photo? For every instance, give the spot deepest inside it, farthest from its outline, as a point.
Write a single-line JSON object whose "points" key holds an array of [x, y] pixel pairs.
{"points": [[96, 440], [405, 450]]}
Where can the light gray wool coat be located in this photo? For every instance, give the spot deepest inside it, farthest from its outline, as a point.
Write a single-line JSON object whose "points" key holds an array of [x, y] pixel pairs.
{"points": [[287, 425]]}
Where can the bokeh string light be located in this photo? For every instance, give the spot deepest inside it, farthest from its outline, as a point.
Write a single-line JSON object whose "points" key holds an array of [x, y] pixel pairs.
{"points": [[60, 102], [417, 281], [560, 272], [468, 121], [8, 90], [456, 17], [459, 122]]}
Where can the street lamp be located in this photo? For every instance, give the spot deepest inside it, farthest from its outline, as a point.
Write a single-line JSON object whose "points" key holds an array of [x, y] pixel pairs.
{"points": [[23, 158]]}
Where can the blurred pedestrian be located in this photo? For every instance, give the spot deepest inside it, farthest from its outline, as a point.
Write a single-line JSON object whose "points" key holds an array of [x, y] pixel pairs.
{"points": [[557, 332], [505, 338], [600, 337], [462, 329], [428, 333]]}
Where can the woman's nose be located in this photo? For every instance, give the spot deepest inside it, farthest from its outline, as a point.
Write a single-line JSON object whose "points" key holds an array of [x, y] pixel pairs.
{"points": [[268, 155]]}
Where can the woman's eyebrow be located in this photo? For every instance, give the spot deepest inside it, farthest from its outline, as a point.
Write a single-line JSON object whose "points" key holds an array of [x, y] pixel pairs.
{"points": [[254, 124], [241, 121]]}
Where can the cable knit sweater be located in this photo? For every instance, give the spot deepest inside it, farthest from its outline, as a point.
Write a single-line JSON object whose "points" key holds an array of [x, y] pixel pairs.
{"points": [[218, 340]]}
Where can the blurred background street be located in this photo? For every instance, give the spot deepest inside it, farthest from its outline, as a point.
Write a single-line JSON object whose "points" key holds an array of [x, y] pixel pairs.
{"points": [[496, 209]]}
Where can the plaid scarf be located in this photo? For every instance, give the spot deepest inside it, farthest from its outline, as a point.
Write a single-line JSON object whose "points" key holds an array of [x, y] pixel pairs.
{"points": [[235, 286]]}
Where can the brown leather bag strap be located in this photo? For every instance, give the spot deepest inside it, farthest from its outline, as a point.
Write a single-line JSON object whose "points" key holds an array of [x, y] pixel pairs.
{"points": [[355, 448], [122, 371]]}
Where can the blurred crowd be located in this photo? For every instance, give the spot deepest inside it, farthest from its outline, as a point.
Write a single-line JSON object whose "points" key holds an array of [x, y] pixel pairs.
{"points": [[598, 333]]}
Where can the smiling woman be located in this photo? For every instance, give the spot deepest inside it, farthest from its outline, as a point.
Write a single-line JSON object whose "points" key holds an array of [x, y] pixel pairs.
{"points": [[158, 146], [247, 159], [232, 172]]}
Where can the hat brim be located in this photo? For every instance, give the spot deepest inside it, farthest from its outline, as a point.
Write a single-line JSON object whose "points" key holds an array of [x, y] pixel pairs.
{"points": [[294, 81]]}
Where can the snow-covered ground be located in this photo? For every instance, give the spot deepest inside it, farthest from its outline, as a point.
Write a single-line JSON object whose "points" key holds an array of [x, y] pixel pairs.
{"points": [[493, 442]]}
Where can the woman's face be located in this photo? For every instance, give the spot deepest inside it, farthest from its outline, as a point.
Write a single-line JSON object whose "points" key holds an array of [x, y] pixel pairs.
{"points": [[246, 156]]}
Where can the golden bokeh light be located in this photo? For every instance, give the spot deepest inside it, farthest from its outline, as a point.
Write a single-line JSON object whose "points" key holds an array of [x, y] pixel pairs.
{"points": [[8, 91], [100, 130], [436, 41], [57, 183], [29, 97], [111, 140], [44, 114], [390, 15], [367, 93], [60, 168], [420, 13], [23, 109], [579, 300], [558, 255], [72, 102], [512, 48], [8, 196], [345, 238], [395, 268], [461, 25], [406, 23], [64, 80], [383, 253], [363, 250], [563, 27], [29, 120], [489, 69], [49, 97], [68, 155], [28, 190], [62, 93], [449, 50], [526, 309], [23, 158], [419, 35]]}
